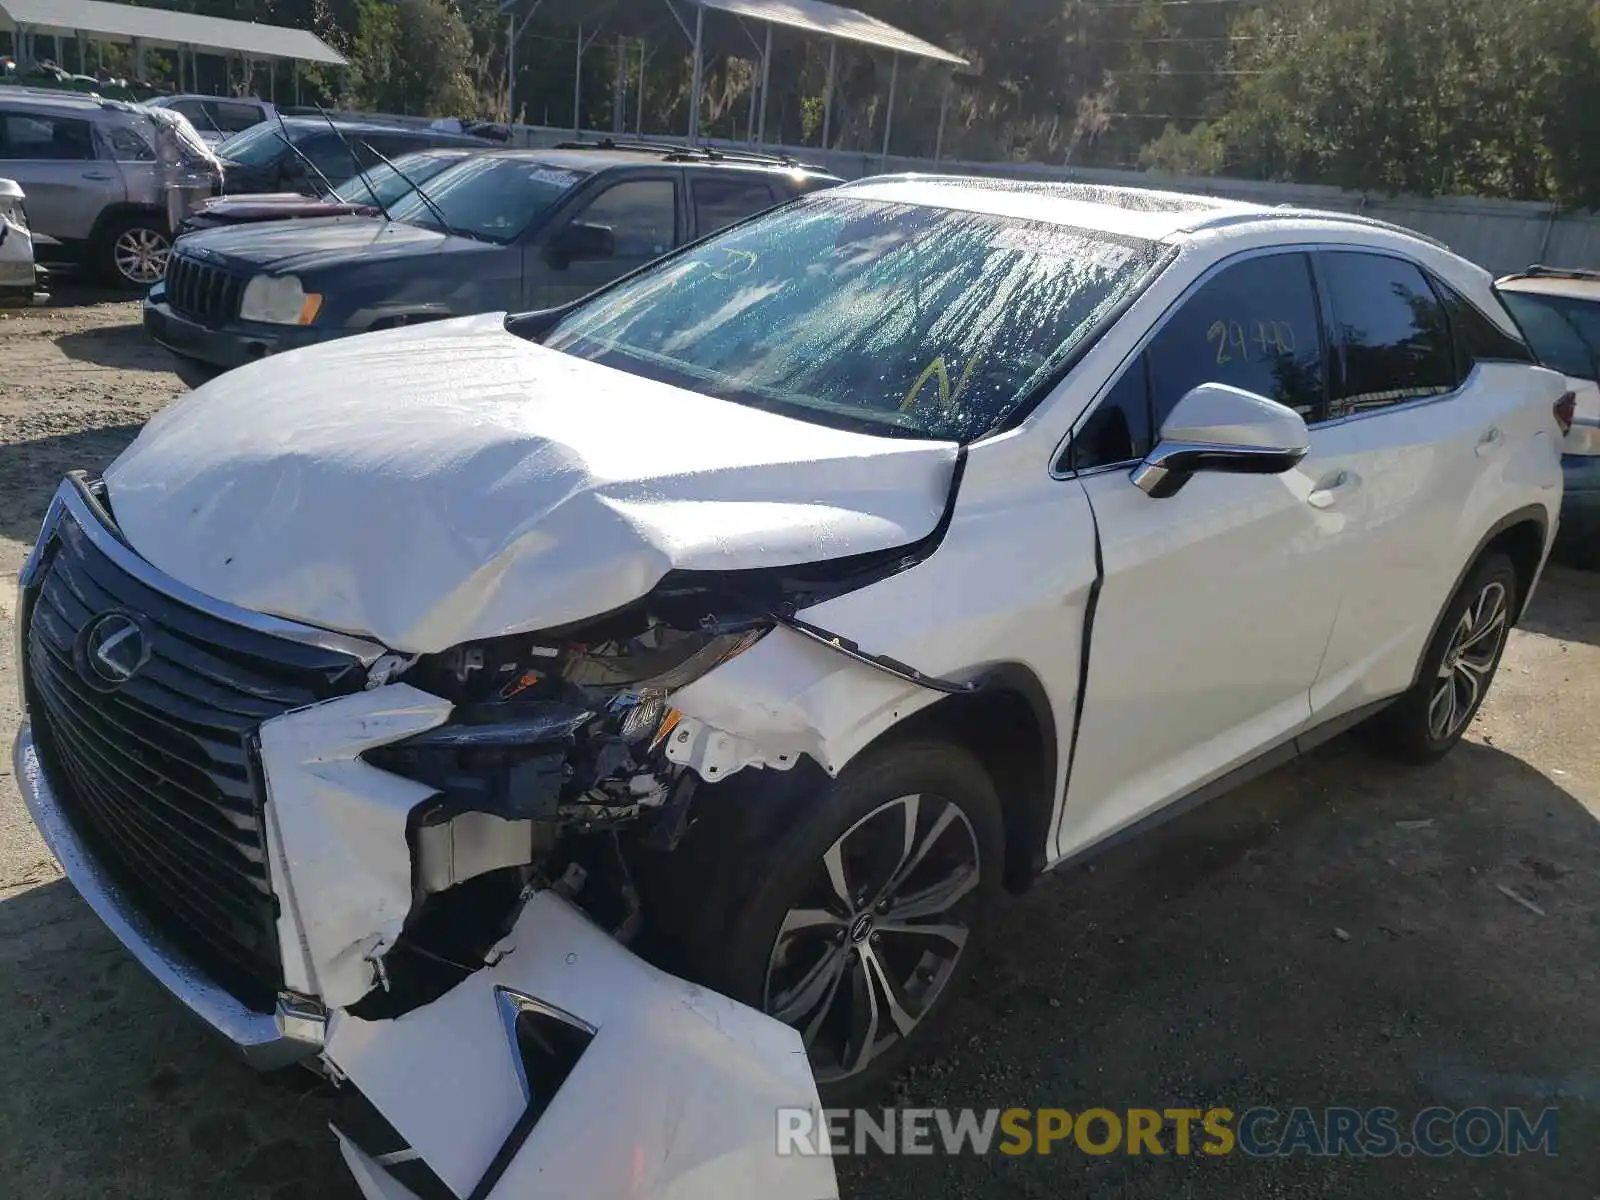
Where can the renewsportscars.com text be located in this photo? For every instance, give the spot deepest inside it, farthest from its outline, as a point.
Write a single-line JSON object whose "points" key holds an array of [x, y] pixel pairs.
{"points": [[1258, 1132]]}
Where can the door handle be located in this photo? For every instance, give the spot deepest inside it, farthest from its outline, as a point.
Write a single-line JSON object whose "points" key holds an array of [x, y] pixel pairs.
{"points": [[1327, 492], [1490, 441], [98, 176]]}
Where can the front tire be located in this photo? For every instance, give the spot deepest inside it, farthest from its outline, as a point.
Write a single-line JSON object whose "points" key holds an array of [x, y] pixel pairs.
{"points": [[1457, 669], [858, 925], [133, 251]]}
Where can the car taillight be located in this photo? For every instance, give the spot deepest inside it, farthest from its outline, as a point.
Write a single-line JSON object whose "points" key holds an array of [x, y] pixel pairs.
{"points": [[1566, 409]]}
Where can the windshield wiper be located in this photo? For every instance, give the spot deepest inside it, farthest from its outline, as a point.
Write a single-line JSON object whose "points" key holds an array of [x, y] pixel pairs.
{"points": [[283, 136], [438, 213], [355, 161]]}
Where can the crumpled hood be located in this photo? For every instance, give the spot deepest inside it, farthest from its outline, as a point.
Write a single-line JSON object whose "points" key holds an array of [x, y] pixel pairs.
{"points": [[449, 482]]}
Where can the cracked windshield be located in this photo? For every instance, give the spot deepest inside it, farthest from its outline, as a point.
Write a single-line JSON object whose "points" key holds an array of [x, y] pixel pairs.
{"points": [[894, 319]]}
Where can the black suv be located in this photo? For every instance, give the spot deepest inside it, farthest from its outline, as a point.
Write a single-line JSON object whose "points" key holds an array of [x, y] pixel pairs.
{"points": [[508, 230]]}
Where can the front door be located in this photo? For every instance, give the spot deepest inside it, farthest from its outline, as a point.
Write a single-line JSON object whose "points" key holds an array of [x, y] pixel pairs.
{"points": [[55, 160], [642, 213], [1215, 603]]}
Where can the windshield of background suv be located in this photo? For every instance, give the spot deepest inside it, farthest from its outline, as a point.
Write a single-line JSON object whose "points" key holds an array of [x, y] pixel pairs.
{"points": [[491, 198], [258, 146], [891, 318], [390, 184]]}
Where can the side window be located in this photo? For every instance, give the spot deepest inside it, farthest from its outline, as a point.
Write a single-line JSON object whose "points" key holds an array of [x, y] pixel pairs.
{"points": [[195, 110], [719, 202], [1545, 322], [232, 116], [128, 146], [642, 215], [1476, 337], [35, 136], [1253, 326], [1389, 330], [1119, 428]]}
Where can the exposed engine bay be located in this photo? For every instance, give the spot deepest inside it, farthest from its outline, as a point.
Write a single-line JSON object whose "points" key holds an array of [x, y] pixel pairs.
{"points": [[560, 761]]}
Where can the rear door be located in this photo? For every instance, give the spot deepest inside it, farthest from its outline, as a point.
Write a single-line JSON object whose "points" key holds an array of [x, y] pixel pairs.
{"points": [[1418, 435], [57, 161], [1215, 603], [643, 212]]}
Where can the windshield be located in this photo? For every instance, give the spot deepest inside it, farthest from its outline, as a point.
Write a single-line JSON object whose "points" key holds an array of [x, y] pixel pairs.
{"points": [[389, 184], [258, 146], [893, 318], [490, 198]]}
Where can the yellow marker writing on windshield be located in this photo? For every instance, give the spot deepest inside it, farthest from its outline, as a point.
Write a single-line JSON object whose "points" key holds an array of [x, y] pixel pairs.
{"points": [[937, 370]]}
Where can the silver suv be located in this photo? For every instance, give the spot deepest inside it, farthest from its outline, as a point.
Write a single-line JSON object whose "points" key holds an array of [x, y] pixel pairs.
{"points": [[106, 181]]}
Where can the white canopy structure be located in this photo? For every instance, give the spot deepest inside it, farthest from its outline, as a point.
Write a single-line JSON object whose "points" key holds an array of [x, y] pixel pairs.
{"points": [[725, 25], [143, 28]]}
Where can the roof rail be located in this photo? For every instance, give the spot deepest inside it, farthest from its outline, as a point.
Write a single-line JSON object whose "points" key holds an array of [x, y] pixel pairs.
{"points": [[1284, 212], [677, 152], [1540, 270]]}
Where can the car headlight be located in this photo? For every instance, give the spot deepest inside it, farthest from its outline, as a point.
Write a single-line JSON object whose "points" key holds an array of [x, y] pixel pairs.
{"points": [[279, 300]]}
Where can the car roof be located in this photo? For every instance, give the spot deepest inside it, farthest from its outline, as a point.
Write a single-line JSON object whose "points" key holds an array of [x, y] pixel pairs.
{"points": [[605, 155], [1148, 213], [443, 136], [78, 102]]}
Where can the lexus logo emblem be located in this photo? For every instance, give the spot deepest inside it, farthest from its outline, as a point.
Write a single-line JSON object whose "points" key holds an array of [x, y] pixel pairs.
{"points": [[111, 650]]}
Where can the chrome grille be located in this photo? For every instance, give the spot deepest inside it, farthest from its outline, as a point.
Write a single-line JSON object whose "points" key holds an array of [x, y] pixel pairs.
{"points": [[158, 775], [202, 290]]}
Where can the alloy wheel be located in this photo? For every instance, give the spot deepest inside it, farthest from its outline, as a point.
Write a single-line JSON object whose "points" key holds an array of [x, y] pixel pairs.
{"points": [[875, 938], [1468, 662], [140, 255]]}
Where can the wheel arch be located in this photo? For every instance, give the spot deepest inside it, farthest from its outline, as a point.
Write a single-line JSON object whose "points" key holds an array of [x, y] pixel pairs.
{"points": [[121, 210], [1009, 725], [1522, 536]]}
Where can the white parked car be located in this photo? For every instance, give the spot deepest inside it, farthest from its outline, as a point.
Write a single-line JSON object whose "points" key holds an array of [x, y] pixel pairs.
{"points": [[587, 729]]}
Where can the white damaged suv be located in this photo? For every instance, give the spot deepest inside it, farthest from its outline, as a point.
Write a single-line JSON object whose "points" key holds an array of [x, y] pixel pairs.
{"points": [[603, 726]]}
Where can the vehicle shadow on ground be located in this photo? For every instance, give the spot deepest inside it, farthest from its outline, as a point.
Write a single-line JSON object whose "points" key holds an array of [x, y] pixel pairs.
{"points": [[119, 1092], [121, 347], [1566, 605], [30, 472], [1333, 934]]}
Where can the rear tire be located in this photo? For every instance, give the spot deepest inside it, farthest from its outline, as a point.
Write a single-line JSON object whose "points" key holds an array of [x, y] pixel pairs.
{"points": [[1457, 669], [855, 925], [133, 250]]}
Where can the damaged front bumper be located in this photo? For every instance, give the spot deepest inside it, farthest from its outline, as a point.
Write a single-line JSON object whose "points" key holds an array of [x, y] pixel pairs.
{"points": [[664, 1089]]}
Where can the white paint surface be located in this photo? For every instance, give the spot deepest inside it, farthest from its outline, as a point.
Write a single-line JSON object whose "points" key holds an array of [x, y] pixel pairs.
{"points": [[449, 482]]}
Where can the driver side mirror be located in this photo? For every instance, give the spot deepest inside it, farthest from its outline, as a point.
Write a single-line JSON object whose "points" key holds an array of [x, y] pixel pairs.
{"points": [[581, 240], [1215, 427]]}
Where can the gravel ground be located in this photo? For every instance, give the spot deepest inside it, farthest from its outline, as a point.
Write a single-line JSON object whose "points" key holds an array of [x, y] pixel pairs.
{"points": [[1334, 934]]}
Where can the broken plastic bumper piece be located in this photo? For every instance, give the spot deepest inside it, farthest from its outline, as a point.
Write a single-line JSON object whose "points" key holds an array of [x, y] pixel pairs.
{"points": [[572, 1068]]}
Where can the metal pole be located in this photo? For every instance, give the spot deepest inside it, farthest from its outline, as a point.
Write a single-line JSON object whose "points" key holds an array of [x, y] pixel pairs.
{"points": [[511, 67], [577, 87], [827, 92], [944, 103], [755, 88], [695, 80], [888, 117], [297, 82], [640, 128], [766, 71]]}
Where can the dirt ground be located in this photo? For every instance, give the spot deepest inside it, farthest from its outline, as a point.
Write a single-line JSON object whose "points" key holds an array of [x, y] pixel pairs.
{"points": [[1334, 934]]}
